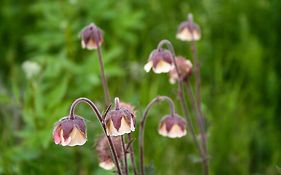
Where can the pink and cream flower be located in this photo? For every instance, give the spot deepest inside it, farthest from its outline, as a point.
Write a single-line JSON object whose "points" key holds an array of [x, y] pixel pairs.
{"points": [[119, 121], [188, 30], [172, 126], [160, 60], [104, 152], [184, 68], [91, 37], [70, 131]]}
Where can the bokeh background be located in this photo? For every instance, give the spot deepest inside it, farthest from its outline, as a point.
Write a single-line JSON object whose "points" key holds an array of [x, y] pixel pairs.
{"points": [[241, 60]]}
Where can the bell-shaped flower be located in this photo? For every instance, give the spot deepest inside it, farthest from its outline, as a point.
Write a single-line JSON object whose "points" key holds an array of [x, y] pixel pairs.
{"points": [[172, 126], [104, 152], [70, 131], [188, 30], [184, 68], [119, 121], [91, 37], [160, 60]]}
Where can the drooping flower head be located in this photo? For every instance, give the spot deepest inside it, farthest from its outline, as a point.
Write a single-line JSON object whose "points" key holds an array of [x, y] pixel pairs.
{"points": [[91, 37], [184, 68], [172, 126], [70, 131], [160, 60], [119, 121], [188, 30], [104, 152]]}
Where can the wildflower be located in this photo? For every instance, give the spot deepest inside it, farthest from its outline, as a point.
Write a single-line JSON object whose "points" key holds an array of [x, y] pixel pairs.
{"points": [[104, 152], [119, 121], [188, 30], [160, 60], [31, 69], [172, 126], [91, 37], [184, 68], [70, 131]]}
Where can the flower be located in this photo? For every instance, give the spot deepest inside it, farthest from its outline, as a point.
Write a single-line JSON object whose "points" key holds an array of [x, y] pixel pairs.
{"points": [[172, 126], [119, 121], [91, 37], [184, 68], [104, 152], [188, 30], [31, 69], [70, 131], [160, 60]]}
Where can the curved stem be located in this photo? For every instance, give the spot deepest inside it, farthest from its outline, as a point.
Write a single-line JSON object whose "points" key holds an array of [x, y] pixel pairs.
{"points": [[142, 125], [182, 97], [124, 154], [132, 155], [100, 118], [103, 78]]}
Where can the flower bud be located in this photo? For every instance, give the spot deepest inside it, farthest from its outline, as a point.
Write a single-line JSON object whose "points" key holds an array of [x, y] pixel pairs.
{"points": [[172, 126], [70, 131], [104, 152], [91, 37], [184, 68], [119, 121], [188, 30], [160, 61]]}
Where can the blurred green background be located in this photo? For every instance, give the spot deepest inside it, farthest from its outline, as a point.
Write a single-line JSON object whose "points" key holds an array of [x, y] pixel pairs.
{"points": [[241, 60]]}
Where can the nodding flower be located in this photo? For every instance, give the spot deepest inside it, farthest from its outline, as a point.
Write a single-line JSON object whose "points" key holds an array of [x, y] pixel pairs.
{"points": [[70, 131], [172, 126], [188, 30], [160, 60], [119, 121], [91, 37], [104, 152], [184, 68]]}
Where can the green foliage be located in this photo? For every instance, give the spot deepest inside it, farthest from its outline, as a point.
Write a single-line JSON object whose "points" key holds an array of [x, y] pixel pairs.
{"points": [[240, 54]]}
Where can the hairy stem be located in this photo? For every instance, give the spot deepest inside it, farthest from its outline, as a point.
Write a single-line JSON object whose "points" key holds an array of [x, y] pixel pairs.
{"points": [[100, 118], [199, 99], [142, 125], [132, 155], [103, 78], [124, 154]]}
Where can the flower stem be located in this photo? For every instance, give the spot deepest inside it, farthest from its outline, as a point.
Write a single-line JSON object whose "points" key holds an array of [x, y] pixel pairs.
{"points": [[142, 125], [103, 78], [200, 122], [132, 155], [199, 100], [124, 154], [183, 100], [100, 118]]}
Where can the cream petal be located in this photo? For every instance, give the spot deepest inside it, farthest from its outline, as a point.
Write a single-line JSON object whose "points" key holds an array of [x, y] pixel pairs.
{"points": [[91, 45], [162, 67], [83, 44], [63, 141], [172, 80], [148, 66], [124, 128], [111, 130], [185, 35], [77, 137], [176, 132], [132, 125], [108, 165], [163, 131]]}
